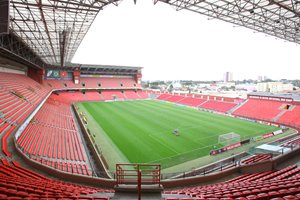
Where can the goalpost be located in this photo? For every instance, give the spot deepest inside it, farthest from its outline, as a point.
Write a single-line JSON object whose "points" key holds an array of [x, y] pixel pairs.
{"points": [[229, 138]]}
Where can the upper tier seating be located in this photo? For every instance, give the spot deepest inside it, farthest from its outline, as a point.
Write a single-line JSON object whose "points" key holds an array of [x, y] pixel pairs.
{"points": [[267, 185], [219, 106], [20, 183], [291, 116], [24, 87], [100, 82], [259, 109], [19, 95], [13, 109]]}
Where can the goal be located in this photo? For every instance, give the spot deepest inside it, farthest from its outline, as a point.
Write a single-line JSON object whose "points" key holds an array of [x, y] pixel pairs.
{"points": [[229, 138]]}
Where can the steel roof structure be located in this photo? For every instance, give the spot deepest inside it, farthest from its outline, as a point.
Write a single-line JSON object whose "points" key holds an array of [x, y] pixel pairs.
{"points": [[102, 69], [54, 29], [279, 18]]}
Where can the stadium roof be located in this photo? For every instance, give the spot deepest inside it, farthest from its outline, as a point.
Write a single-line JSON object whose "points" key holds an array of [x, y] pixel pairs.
{"points": [[54, 29], [103, 69], [294, 96]]}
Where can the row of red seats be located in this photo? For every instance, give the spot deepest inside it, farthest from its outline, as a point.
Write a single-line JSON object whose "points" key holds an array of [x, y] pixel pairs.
{"points": [[50, 142], [261, 109], [192, 101], [70, 167], [131, 95], [294, 142], [220, 106], [24, 86], [52, 138], [175, 98], [111, 94], [13, 108], [18, 97], [256, 158], [265, 185], [142, 94], [47, 116], [291, 116], [70, 97], [19, 183], [164, 96]]}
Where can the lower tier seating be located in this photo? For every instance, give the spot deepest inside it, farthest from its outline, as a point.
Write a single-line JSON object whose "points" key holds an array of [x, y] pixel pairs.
{"points": [[219, 106], [164, 96], [260, 109], [192, 101], [291, 116], [20, 183], [256, 158], [52, 139], [268, 185]]}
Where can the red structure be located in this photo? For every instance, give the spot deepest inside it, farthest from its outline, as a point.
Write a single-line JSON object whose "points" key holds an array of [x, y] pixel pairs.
{"points": [[129, 174], [138, 174]]}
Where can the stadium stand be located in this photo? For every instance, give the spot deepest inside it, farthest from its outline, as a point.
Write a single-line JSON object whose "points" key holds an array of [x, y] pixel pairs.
{"points": [[164, 96], [283, 183], [175, 98], [219, 106], [92, 96], [52, 138], [130, 94], [23, 87], [112, 95], [142, 94], [201, 101], [291, 116], [293, 142], [256, 158], [191, 101], [103, 83], [259, 109], [20, 183], [19, 95]]}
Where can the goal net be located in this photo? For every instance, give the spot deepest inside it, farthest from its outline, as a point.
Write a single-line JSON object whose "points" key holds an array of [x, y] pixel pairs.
{"points": [[229, 138]]}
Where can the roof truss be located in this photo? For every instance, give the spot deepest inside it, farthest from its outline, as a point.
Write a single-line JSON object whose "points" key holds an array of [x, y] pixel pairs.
{"points": [[279, 18]]}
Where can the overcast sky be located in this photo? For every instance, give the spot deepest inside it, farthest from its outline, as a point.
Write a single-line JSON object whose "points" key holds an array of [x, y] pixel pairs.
{"points": [[181, 45]]}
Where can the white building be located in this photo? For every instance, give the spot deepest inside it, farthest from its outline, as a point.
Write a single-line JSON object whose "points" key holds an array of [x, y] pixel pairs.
{"points": [[273, 87], [228, 77]]}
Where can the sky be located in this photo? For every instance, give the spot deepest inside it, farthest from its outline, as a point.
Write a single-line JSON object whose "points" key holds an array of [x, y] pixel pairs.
{"points": [[182, 45]]}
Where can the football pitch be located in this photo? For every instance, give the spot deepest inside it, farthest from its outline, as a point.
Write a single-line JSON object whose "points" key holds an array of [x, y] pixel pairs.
{"points": [[142, 131]]}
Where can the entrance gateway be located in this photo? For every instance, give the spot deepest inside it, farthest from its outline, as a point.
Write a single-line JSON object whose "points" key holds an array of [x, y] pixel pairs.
{"points": [[138, 178]]}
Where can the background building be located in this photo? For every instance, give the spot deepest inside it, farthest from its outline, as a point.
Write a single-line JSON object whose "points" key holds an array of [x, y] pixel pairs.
{"points": [[274, 87], [228, 77]]}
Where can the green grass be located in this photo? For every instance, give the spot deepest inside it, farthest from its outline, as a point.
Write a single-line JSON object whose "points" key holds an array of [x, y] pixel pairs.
{"points": [[141, 131]]}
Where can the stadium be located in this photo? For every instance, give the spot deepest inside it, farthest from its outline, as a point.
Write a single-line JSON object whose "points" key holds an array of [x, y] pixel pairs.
{"points": [[80, 131]]}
